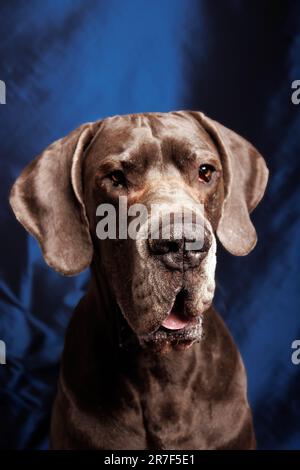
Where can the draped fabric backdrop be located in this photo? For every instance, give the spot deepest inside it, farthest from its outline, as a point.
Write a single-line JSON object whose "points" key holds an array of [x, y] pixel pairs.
{"points": [[70, 61]]}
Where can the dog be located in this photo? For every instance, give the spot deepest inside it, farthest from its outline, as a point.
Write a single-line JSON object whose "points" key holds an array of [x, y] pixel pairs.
{"points": [[147, 361]]}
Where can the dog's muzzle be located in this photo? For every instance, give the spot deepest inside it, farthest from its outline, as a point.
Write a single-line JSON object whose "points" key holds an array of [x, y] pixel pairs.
{"points": [[187, 254]]}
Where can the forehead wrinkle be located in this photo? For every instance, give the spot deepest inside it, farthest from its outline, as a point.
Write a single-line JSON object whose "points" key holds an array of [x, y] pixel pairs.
{"points": [[182, 151], [145, 154], [145, 149], [157, 125], [126, 138], [142, 121], [138, 157]]}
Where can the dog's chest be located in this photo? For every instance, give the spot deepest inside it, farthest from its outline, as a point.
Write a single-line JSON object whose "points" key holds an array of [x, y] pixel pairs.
{"points": [[169, 424], [171, 412]]}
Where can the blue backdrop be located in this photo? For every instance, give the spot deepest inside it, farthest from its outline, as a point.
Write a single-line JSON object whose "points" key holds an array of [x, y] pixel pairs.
{"points": [[66, 62]]}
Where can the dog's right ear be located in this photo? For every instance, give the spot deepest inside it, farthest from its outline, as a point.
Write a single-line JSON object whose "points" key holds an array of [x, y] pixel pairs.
{"points": [[47, 200]]}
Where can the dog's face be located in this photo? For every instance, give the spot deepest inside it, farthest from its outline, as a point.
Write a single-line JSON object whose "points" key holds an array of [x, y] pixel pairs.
{"points": [[182, 162], [170, 161]]}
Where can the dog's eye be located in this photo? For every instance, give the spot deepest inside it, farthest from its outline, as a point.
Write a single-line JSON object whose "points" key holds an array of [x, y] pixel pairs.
{"points": [[117, 178], [205, 172]]}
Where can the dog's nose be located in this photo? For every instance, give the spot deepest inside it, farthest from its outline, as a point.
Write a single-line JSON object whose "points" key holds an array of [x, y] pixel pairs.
{"points": [[179, 254]]}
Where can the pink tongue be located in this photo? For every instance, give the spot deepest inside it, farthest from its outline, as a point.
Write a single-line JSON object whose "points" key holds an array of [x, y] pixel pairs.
{"points": [[174, 322]]}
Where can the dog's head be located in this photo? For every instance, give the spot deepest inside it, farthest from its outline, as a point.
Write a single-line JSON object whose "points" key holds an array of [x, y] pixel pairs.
{"points": [[141, 167]]}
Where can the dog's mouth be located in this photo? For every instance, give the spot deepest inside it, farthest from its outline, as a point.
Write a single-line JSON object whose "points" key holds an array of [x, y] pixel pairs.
{"points": [[178, 329], [177, 318]]}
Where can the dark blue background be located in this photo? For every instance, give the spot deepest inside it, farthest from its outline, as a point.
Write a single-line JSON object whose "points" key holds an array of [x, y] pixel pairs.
{"points": [[66, 62]]}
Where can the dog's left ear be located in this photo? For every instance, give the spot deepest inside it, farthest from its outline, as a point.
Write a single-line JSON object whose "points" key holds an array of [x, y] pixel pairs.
{"points": [[245, 179]]}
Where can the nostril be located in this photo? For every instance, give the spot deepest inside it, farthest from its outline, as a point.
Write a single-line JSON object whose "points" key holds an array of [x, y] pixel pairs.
{"points": [[162, 247], [193, 256], [173, 246]]}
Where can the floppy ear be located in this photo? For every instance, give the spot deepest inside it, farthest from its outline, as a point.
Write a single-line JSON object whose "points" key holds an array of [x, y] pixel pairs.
{"points": [[245, 179], [47, 200]]}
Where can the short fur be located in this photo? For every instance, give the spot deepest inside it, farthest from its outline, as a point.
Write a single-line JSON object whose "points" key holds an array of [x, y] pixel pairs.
{"points": [[125, 383]]}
